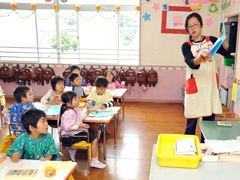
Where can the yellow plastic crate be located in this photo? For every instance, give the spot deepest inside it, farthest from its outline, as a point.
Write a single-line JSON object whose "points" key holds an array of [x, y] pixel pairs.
{"points": [[166, 153]]}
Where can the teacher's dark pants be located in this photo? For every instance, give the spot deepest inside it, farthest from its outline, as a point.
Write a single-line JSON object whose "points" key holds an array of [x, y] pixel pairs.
{"points": [[191, 125]]}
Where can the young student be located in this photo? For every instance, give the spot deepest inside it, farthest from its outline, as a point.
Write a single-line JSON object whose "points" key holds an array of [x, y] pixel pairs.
{"points": [[24, 97], [112, 81], [77, 82], [53, 96], [70, 123], [100, 98], [75, 69], [36, 143]]}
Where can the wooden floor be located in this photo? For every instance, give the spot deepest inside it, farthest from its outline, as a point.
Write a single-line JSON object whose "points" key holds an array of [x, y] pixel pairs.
{"points": [[136, 135]]}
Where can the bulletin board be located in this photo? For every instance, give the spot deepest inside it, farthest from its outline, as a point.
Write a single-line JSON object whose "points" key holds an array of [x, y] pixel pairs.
{"points": [[173, 20]]}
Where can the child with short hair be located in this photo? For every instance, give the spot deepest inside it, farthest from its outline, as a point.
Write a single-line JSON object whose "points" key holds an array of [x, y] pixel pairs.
{"points": [[24, 97], [70, 123], [75, 69], [36, 142], [77, 82], [53, 96], [100, 97]]}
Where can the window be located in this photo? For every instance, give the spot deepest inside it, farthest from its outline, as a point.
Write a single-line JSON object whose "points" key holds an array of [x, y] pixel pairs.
{"points": [[18, 38], [69, 37]]}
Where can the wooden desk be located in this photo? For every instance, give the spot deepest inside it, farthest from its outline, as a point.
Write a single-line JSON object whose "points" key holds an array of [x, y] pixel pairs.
{"points": [[212, 131], [106, 120], [117, 93], [8, 164], [205, 171]]}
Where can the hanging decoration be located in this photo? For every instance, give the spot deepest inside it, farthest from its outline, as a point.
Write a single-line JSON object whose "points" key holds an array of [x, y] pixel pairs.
{"points": [[55, 6], [48, 0], [118, 7], [98, 7], [77, 7], [14, 6], [137, 7], [64, 1], [33, 6]]}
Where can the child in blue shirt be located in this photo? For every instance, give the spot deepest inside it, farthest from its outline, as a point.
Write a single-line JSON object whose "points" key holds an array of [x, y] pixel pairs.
{"points": [[75, 69], [24, 97], [77, 82], [36, 143]]}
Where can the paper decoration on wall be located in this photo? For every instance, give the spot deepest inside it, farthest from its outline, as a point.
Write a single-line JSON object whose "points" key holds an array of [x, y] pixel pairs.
{"points": [[148, 1], [234, 92], [146, 16], [178, 20], [156, 6], [213, 6], [165, 7], [233, 2], [209, 22], [199, 1], [48, 0], [238, 95], [52, 14], [64, 1], [187, 2], [196, 8], [226, 3], [173, 20]]}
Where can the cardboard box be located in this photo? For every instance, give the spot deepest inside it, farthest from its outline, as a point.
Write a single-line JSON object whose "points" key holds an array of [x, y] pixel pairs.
{"points": [[3, 157], [225, 115]]}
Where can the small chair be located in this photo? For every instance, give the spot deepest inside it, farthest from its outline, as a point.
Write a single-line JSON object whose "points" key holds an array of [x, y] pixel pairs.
{"points": [[11, 129], [79, 145]]}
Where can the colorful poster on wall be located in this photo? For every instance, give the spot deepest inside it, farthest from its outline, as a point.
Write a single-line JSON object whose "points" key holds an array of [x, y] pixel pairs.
{"points": [[173, 20], [226, 3], [238, 95]]}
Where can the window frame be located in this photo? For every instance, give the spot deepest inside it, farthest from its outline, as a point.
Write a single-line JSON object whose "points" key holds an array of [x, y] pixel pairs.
{"points": [[25, 6]]}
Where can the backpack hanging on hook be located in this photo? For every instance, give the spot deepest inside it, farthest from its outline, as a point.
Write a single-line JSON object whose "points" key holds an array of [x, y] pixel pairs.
{"points": [[6, 73], [90, 76], [48, 73], [130, 77], [66, 72], [152, 77], [84, 73], [121, 74], [38, 71]]}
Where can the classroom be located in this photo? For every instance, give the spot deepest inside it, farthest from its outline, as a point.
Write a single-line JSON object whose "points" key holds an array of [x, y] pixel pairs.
{"points": [[167, 84]]}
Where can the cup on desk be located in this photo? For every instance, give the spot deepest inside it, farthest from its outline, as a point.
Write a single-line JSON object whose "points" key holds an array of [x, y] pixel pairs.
{"points": [[50, 171]]}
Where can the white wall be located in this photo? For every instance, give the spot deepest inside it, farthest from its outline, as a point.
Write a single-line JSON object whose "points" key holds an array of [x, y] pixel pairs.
{"points": [[165, 49]]}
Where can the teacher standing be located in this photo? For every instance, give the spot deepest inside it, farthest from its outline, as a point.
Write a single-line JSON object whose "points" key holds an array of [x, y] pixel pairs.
{"points": [[202, 82]]}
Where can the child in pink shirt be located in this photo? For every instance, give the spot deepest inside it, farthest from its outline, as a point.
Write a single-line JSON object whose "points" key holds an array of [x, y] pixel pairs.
{"points": [[70, 123]]}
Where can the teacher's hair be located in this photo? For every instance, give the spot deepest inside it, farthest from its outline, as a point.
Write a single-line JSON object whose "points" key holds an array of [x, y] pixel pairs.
{"points": [[196, 15]]}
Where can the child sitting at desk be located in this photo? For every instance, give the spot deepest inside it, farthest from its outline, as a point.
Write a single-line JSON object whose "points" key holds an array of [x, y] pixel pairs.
{"points": [[53, 96], [70, 123], [36, 143], [75, 69], [99, 98], [112, 81], [77, 82], [24, 97]]}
